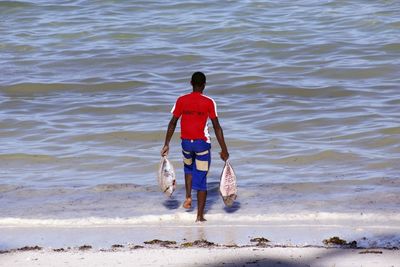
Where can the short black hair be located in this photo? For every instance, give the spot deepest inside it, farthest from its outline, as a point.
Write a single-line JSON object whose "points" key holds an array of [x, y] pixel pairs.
{"points": [[198, 79]]}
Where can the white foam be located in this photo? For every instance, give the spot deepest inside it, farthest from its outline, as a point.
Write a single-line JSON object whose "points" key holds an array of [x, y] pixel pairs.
{"points": [[184, 219]]}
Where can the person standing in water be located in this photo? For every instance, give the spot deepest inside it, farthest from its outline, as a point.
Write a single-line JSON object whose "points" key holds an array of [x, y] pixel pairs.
{"points": [[195, 108]]}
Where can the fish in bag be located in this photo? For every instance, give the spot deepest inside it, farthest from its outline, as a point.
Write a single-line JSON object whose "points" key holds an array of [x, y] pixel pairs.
{"points": [[166, 177], [227, 186]]}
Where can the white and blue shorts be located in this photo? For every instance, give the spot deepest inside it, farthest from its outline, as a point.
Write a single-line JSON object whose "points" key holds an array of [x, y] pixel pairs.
{"points": [[197, 160]]}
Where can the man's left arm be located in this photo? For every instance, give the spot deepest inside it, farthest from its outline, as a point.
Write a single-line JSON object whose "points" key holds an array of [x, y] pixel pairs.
{"points": [[219, 133]]}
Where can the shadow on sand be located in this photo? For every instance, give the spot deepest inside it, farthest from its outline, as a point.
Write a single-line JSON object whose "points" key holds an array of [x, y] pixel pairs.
{"points": [[323, 256], [171, 203], [260, 262], [330, 257], [234, 208]]}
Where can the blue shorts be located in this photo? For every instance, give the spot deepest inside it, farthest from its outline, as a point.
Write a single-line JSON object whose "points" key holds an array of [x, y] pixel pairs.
{"points": [[196, 161]]}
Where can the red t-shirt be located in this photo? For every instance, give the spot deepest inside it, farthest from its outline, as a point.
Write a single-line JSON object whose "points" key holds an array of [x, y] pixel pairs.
{"points": [[195, 109]]}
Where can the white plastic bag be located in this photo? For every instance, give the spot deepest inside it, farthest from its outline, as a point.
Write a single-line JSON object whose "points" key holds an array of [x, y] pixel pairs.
{"points": [[228, 186]]}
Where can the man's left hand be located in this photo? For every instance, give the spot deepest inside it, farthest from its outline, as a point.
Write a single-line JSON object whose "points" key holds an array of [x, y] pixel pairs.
{"points": [[224, 155]]}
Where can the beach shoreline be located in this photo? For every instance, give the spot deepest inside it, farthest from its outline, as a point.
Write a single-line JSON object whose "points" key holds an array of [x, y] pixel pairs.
{"points": [[157, 255], [368, 230]]}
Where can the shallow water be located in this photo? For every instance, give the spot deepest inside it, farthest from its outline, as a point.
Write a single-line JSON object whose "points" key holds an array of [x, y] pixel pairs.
{"points": [[307, 94]]}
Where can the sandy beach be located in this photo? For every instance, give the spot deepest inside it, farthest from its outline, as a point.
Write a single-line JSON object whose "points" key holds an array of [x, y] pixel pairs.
{"points": [[201, 244], [221, 256]]}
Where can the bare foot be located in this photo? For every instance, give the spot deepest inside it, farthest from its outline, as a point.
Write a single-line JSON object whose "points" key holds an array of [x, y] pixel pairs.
{"points": [[188, 203], [200, 219]]}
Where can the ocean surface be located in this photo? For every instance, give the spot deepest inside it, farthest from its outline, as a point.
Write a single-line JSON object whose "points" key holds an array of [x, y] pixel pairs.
{"points": [[307, 91]]}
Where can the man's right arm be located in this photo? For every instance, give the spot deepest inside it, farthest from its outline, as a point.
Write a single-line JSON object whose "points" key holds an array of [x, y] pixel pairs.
{"points": [[170, 132], [219, 133]]}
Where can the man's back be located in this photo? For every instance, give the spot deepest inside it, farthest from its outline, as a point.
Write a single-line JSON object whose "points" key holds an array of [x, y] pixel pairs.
{"points": [[195, 109]]}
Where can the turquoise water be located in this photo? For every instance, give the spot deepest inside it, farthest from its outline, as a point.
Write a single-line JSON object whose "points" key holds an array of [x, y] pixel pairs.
{"points": [[307, 92]]}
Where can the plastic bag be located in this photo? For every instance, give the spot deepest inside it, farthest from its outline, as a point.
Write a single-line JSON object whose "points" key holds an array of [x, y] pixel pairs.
{"points": [[228, 186]]}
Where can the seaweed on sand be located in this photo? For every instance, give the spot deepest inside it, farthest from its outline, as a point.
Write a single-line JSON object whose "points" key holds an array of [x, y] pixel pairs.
{"points": [[336, 241], [202, 243], [85, 247], [370, 252], [163, 243], [136, 247], [261, 241], [28, 248]]}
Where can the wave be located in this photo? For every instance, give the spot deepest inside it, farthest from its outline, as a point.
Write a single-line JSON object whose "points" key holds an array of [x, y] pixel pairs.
{"points": [[36, 158], [251, 87], [121, 187], [28, 89], [318, 92], [9, 187], [121, 109], [118, 187], [13, 4], [246, 188], [383, 220], [390, 130], [121, 135], [327, 156]]}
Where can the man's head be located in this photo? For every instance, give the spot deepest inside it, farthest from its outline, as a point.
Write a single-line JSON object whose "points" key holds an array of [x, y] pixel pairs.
{"points": [[198, 81]]}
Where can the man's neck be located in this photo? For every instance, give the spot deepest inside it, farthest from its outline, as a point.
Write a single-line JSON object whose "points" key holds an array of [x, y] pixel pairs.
{"points": [[198, 90]]}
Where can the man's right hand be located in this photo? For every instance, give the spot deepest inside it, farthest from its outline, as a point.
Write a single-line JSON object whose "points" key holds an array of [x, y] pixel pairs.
{"points": [[165, 150], [224, 155]]}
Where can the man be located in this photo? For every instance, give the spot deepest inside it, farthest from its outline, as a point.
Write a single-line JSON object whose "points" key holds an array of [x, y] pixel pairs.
{"points": [[195, 109]]}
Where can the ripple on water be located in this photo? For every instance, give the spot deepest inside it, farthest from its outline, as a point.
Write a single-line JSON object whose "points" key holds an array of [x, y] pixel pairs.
{"points": [[305, 91]]}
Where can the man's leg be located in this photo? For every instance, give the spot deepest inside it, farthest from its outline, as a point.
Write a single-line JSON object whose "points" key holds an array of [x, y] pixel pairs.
{"points": [[188, 185], [188, 158], [201, 203], [201, 165]]}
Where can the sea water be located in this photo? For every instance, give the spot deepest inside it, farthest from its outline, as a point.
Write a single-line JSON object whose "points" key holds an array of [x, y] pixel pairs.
{"points": [[307, 92]]}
